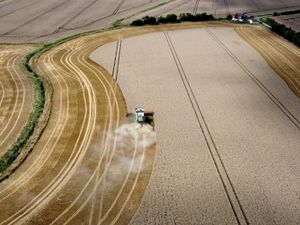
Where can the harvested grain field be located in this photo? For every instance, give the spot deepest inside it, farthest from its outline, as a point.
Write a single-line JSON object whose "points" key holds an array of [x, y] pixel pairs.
{"points": [[86, 166], [47, 20], [16, 95], [220, 8], [227, 126], [292, 21], [217, 121], [41, 20]]}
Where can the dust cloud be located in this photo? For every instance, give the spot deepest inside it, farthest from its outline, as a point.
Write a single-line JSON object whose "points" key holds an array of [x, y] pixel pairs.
{"points": [[124, 154], [129, 145]]}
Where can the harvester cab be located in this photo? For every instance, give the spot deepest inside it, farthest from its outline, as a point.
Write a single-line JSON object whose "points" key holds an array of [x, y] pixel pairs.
{"points": [[142, 116]]}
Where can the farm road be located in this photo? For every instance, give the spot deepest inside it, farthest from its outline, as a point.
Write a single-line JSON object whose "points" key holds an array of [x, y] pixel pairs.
{"points": [[227, 128]]}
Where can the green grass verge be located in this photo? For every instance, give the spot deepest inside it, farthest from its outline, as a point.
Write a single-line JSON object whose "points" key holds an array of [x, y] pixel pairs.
{"points": [[40, 87], [11, 155], [282, 30]]}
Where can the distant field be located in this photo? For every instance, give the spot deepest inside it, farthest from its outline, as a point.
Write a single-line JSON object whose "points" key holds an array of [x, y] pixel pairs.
{"points": [[35, 20], [290, 20], [38, 20], [221, 8]]}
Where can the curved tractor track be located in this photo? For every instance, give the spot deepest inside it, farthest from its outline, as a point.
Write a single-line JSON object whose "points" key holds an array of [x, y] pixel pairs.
{"points": [[79, 172], [217, 105], [275, 49], [16, 95]]}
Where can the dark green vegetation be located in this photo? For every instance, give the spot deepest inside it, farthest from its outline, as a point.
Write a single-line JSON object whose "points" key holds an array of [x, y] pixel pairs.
{"points": [[286, 13], [286, 32], [11, 155], [43, 91], [172, 18]]}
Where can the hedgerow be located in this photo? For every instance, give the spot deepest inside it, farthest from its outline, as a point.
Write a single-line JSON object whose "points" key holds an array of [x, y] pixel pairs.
{"points": [[172, 18], [11, 155], [284, 31]]}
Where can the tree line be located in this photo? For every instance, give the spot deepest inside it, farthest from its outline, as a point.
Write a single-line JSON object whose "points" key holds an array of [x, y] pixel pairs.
{"points": [[284, 31], [172, 18]]}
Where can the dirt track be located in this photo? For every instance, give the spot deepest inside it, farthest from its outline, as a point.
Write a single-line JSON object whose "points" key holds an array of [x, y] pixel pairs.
{"points": [[16, 94], [227, 125]]}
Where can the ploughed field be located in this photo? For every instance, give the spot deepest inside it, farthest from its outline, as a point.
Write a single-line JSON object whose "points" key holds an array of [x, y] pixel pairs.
{"points": [[292, 21], [40, 20], [36, 20], [221, 8], [228, 140]]}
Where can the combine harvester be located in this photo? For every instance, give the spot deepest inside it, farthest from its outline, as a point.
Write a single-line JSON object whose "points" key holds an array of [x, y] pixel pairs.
{"points": [[142, 117]]}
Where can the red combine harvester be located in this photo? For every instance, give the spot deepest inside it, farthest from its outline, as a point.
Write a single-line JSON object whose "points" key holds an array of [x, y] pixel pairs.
{"points": [[142, 116]]}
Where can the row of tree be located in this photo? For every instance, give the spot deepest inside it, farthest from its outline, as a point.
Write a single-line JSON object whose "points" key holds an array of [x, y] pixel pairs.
{"points": [[172, 18], [286, 13], [286, 32]]}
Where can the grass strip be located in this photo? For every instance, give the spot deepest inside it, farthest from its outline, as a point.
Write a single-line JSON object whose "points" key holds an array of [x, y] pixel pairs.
{"points": [[11, 155], [43, 90], [282, 30], [172, 18]]}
